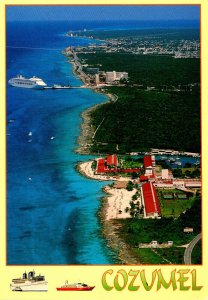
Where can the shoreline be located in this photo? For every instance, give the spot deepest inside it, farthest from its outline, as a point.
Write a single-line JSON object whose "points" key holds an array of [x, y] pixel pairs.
{"points": [[112, 207], [115, 200], [109, 230], [108, 226], [85, 138]]}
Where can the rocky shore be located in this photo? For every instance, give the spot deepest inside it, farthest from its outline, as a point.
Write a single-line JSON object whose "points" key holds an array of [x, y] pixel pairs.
{"points": [[116, 201], [109, 226], [110, 232]]}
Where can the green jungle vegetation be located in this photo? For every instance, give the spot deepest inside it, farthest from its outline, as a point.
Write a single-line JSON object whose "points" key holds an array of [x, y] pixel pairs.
{"points": [[140, 120], [148, 70], [193, 172], [134, 231], [196, 257]]}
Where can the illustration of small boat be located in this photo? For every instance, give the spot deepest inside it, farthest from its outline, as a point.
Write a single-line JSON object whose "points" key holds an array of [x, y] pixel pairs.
{"points": [[75, 287]]}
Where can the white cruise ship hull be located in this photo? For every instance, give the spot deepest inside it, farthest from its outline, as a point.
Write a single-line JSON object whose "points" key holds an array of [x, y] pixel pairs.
{"points": [[35, 86], [31, 83], [30, 287]]}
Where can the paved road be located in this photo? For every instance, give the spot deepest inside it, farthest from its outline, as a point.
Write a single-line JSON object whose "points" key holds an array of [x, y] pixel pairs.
{"points": [[188, 251]]}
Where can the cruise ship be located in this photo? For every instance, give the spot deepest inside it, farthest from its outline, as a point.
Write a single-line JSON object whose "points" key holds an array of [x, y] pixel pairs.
{"points": [[29, 83], [29, 283]]}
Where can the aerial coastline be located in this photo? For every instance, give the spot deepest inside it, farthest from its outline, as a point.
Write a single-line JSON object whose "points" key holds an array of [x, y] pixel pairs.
{"points": [[118, 202], [117, 164], [110, 204]]}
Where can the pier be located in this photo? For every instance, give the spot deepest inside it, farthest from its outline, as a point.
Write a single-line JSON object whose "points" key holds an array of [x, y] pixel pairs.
{"points": [[64, 87]]}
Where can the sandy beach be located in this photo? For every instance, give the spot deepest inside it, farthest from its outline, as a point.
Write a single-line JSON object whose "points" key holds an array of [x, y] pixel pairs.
{"points": [[113, 208], [118, 198], [117, 202]]}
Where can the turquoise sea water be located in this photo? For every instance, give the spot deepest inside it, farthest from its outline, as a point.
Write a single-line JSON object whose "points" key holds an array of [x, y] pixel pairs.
{"points": [[51, 208]]}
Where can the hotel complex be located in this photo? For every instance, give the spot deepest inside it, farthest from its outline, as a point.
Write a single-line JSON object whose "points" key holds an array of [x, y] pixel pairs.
{"points": [[149, 179], [115, 76]]}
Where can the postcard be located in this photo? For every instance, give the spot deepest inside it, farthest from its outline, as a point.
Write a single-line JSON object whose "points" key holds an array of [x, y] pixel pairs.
{"points": [[103, 150]]}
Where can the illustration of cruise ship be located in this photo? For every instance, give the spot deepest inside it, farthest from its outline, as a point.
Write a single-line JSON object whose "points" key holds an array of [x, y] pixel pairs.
{"points": [[31, 83], [29, 283], [75, 287]]}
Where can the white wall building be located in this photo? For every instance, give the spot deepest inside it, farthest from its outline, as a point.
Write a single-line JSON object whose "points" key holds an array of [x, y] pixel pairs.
{"points": [[165, 174], [113, 76]]}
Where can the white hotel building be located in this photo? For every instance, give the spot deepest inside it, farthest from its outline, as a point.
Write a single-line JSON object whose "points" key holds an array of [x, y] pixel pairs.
{"points": [[113, 76]]}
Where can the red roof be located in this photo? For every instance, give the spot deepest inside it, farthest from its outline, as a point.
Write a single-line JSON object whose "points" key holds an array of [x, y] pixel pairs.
{"points": [[102, 165], [147, 161], [143, 178], [101, 168], [150, 198], [112, 160], [146, 177]]}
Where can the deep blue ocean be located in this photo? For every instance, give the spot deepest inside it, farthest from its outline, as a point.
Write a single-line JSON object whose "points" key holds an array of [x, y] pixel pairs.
{"points": [[51, 208]]}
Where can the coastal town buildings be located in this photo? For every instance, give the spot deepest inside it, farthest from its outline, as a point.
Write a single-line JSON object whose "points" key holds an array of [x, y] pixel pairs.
{"points": [[184, 48], [115, 76]]}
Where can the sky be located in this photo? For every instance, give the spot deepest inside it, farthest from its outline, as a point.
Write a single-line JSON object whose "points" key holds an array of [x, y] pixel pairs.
{"points": [[108, 12]]}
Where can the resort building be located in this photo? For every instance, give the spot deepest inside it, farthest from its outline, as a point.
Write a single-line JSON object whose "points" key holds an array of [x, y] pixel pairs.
{"points": [[97, 78], [110, 164], [149, 164], [101, 166], [115, 76], [112, 160], [150, 201], [145, 178], [167, 174]]}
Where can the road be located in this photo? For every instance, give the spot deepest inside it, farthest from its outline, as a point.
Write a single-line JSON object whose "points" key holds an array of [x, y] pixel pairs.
{"points": [[188, 251]]}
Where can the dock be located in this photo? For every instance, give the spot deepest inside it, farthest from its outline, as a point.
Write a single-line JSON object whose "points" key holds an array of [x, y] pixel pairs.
{"points": [[64, 87]]}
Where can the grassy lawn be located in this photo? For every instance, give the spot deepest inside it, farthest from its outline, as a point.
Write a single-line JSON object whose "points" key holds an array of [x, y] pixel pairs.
{"points": [[173, 207], [165, 256], [131, 164], [147, 256], [173, 254]]}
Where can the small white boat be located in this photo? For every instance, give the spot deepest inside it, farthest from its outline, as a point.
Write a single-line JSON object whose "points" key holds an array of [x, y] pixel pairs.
{"points": [[59, 86]]}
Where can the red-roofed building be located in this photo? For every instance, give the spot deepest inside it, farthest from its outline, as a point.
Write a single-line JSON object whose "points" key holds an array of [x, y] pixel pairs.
{"points": [[110, 165], [149, 163], [112, 160], [143, 178], [150, 201], [101, 167]]}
